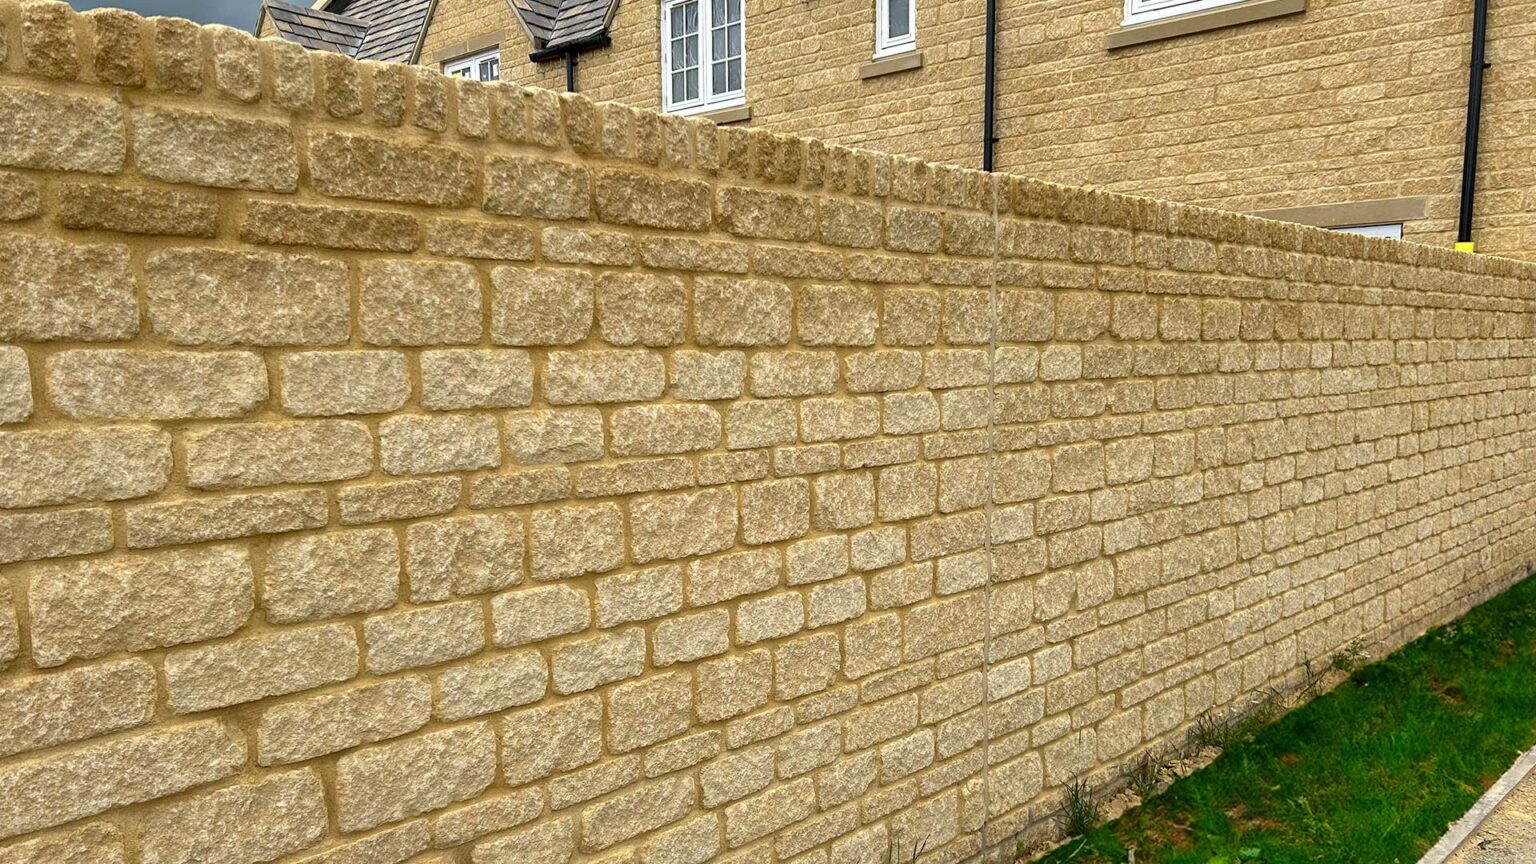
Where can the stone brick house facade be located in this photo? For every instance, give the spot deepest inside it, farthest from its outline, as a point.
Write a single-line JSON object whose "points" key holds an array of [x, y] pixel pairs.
{"points": [[1331, 112]]}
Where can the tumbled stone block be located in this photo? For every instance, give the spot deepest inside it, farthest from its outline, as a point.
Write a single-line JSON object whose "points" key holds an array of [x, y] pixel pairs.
{"points": [[682, 525], [543, 188], [415, 444], [463, 555], [51, 291], [345, 165], [99, 843], [266, 454], [280, 223], [540, 307], [572, 541], [585, 377], [651, 430], [732, 686], [55, 132], [96, 464], [61, 788], [320, 383], [330, 575], [205, 149], [637, 198], [642, 309], [660, 802], [54, 533], [19, 197], [295, 731], [198, 520], [491, 685], [741, 312], [422, 637], [74, 705], [536, 614], [388, 782], [156, 385], [258, 821], [213, 296], [574, 435], [603, 659], [414, 303], [99, 207], [216, 676], [475, 379]]}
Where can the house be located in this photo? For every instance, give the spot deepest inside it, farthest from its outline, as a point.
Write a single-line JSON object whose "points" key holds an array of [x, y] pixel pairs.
{"points": [[1349, 114]]}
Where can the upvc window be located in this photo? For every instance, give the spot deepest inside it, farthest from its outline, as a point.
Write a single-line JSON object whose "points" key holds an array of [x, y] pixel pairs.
{"points": [[480, 67], [1141, 11], [703, 55], [895, 27]]}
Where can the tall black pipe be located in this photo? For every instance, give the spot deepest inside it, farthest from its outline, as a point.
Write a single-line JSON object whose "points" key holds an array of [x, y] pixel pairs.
{"points": [[1474, 120], [570, 70], [989, 77]]}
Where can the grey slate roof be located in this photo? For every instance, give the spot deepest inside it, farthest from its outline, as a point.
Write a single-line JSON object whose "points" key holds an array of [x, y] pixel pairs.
{"points": [[558, 23], [387, 30]]}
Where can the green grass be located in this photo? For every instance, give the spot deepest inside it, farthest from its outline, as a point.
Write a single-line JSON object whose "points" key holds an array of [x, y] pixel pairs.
{"points": [[1373, 771]]}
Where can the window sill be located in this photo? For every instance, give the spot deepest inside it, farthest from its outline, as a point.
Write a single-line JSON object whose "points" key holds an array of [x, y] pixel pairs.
{"points": [[1199, 22], [725, 116], [1382, 212], [891, 65]]}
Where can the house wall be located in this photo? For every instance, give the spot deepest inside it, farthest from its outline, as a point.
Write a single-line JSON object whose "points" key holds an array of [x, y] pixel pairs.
{"points": [[1351, 101], [399, 469]]}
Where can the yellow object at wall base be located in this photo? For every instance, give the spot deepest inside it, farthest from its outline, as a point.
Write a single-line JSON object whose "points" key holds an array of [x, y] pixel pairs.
{"points": [[1465, 247]]}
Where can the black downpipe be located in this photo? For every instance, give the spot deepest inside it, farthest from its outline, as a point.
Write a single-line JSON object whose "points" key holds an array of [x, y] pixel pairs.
{"points": [[988, 117], [1474, 120], [570, 71]]}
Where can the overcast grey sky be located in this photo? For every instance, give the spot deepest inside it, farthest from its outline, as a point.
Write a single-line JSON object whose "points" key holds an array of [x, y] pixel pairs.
{"points": [[235, 13]]}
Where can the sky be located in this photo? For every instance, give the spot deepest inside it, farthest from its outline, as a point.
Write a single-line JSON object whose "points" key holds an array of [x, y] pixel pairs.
{"points": [[235, 13]]}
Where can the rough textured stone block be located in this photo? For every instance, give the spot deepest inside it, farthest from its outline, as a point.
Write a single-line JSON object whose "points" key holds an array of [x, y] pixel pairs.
{"points": [[265, 454], [492, 685], [741, 312], [540, 307], [586, 377], [54, 534], [400, 499], [551, 843], [422, 637], [156, 385], [258, 821], [319, 383], [537, 742], [19, 198], [94, 607], [216, 676], [590, 663], [74, 705], [93, 844], [98, 207], [279, 223], [61, 788], [642, 309], [304, 729], [774, 215], [206, 149], [414, 303], [651, 430], [68, 465], [52, 291], [414, 444], [678, 526], [536, 614], [464, 555], [330, 575], [636, 198], [574, 435], [571, 541], [475, 379], [471, 238], [702, 376], [55, 132], [732, 686], [543, 188], [639, 596], [217, 297], [345, 165], [202, 519], [388, 782]]}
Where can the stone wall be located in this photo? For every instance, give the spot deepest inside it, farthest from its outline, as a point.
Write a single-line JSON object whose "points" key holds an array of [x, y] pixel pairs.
{"points": [[397, 469]]}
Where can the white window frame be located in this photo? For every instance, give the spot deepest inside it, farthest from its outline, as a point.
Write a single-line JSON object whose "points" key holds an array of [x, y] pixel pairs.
{"points": [[469, 67], [1390, 230], [1142, 11], [707, 100], [885, 46]]}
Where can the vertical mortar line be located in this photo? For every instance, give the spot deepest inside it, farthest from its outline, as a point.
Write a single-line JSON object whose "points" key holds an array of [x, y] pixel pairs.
{"points": [[989, 506]]}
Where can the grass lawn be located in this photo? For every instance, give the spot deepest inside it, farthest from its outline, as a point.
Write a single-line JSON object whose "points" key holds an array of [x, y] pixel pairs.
{"points": [[1370, 772]]}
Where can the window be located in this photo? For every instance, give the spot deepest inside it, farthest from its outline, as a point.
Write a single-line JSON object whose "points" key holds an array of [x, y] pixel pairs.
{"points": [[1140, 11], [1394, 230], [895, 27], [481, 67], [703, 55]]}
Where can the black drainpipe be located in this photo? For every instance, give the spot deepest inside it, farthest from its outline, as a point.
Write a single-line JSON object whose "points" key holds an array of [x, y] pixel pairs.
{"points": [[989, 73], [1474, 120], [570, 71]]}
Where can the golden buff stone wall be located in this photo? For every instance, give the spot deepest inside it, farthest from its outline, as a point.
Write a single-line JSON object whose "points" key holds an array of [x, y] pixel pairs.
{"points": [[395, 469]]}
